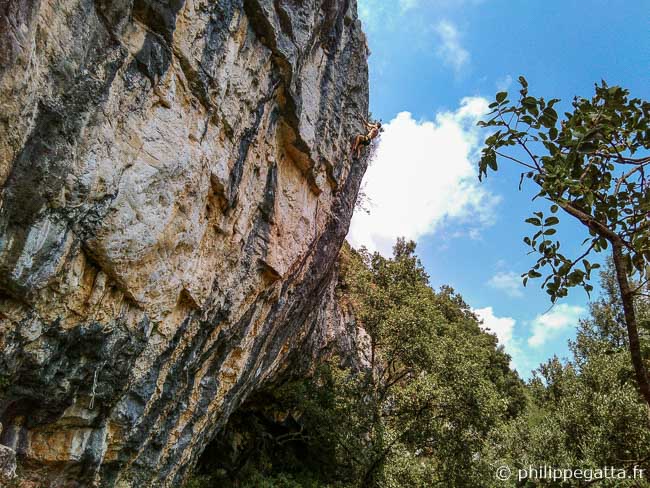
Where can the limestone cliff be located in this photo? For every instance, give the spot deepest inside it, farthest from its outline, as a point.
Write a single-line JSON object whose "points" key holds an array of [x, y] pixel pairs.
{"points": [[175, 191]]}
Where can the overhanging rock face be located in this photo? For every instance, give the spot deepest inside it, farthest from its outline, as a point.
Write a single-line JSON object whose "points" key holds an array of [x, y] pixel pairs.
{"points": [[176, 187]]}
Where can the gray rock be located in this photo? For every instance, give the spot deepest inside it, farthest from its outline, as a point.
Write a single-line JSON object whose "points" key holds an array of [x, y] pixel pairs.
{"points": [[7, 464], [176, 188]]}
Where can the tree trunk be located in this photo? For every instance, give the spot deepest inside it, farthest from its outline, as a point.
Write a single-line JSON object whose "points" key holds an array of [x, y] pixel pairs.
{"points": [[627, 298]]}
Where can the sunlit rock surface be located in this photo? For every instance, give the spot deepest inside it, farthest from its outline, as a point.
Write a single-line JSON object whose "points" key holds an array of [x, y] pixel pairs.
{"points": [[176, 187]]}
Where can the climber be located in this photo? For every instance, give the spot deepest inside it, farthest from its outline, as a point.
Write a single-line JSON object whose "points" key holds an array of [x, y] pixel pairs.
{"points": [[361, 140]]}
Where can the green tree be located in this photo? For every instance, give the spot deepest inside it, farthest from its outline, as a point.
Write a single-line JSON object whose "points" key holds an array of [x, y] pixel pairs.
{"points": [[434, 387], [585, 413], [417, 413], [593, 167]]}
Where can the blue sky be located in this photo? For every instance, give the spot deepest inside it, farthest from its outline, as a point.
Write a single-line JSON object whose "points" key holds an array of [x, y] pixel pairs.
{"points": [[435, 64]]}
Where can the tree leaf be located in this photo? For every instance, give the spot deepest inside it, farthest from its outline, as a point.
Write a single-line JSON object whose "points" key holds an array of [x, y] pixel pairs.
{"points": [[551, 221], [534, 221]]}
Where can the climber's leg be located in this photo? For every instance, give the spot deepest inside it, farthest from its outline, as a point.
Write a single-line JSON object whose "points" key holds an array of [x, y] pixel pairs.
{"points": [[356, 144], [364, 141], [359, 142]]}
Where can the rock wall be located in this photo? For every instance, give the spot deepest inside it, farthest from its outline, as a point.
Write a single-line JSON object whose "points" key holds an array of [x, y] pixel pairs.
{"points": [[175, 192]]}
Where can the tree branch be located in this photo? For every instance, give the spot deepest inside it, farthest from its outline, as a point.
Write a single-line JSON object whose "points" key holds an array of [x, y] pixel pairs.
{"points": [[515, 160]]}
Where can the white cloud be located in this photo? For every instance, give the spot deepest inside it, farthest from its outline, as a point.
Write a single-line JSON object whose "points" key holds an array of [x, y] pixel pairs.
{"points": [[405, 5], [450, 50], [371, 12], [503, 328], [546, 327], [379, 16], [423, 176], [508, 282]]}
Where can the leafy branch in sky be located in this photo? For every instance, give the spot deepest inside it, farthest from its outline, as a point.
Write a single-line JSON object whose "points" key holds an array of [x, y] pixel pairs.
{"points": [[593, 166]]}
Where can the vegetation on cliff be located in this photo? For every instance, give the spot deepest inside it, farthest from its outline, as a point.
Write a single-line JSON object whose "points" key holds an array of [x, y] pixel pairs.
{"points": [[435, 387], [438, 405]]}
